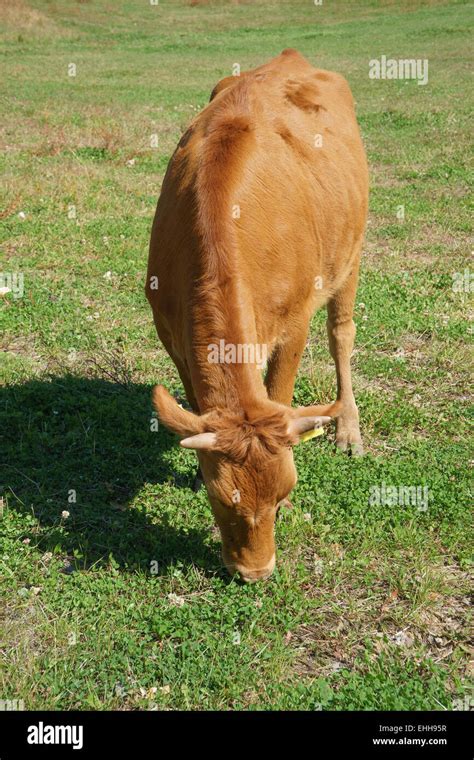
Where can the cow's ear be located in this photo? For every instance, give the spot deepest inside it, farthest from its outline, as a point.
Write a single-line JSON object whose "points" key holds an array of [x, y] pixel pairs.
{"points": [[302, 427], [173, 416], [307, 421], [321, 410]]}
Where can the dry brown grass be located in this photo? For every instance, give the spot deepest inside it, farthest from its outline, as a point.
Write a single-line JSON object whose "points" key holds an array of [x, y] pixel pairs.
{"points": [[433, 625], [19, 19]]}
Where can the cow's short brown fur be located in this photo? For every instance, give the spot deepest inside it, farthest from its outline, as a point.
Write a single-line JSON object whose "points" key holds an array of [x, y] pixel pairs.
{"points": [[281, 145]]}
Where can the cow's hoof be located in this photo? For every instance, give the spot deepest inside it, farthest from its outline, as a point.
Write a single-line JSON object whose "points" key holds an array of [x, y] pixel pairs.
{"points": [[198, 481], [352, 449], [284, 503]]}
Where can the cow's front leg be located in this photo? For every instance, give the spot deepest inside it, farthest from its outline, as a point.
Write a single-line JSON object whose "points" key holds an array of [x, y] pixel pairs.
{"points": [[188, 386], [341, 334], [283, 366]]}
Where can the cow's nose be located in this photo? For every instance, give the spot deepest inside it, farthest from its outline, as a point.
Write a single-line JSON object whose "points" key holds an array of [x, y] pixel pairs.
{"points": [[260, 574], [255, 575]]}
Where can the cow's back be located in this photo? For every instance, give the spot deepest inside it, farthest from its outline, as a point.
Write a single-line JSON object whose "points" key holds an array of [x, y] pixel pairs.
{"points": [[272, 177]]}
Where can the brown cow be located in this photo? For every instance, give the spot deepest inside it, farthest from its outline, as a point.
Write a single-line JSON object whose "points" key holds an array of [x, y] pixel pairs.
{"points": [[260, 221]]}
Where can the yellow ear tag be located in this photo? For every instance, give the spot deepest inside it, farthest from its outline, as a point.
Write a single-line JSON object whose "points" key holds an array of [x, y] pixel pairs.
{"points": [[311, 434]]}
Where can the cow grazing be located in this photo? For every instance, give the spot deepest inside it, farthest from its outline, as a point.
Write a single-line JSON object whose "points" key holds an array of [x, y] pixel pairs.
{"points": [[260, 221]]}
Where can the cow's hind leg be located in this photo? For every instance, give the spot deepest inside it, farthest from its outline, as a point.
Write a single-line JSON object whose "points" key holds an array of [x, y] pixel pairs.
{"points": [[341, 334]]}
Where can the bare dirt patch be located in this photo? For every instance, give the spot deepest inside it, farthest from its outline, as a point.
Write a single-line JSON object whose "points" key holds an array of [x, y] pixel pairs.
{"points": [[349, 616]]}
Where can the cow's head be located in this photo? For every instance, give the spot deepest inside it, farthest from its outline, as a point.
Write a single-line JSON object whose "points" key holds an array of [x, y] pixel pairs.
{"points": [[247, 464]]}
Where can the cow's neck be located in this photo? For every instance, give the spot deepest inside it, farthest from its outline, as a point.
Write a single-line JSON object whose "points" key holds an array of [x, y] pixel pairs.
{"points": [[224, 359]]}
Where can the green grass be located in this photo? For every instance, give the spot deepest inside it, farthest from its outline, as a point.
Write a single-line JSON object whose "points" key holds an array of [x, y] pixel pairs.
{"points": [[124, 603]]}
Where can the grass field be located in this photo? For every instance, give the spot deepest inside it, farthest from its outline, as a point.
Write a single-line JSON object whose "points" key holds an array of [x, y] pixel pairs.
{"points": [[123, 604]]}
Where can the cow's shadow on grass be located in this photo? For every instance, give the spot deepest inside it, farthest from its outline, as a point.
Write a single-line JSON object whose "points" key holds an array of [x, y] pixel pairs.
{"points": [[91, 440]]}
